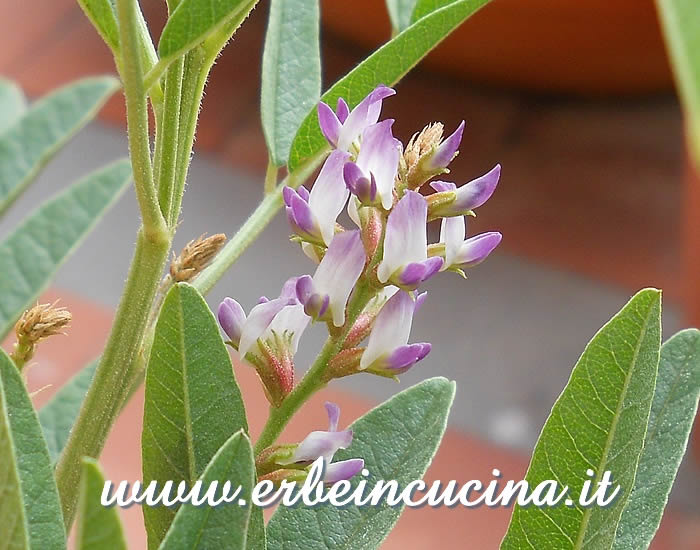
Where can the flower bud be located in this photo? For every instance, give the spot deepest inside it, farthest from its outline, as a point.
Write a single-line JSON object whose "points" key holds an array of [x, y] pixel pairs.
{"points": [[35, 324], [195, 256]]}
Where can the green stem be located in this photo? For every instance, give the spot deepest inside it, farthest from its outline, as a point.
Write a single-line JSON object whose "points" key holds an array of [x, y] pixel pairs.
{"points": [[271, 177], [313, 379], [253, 226], [115, 374]]}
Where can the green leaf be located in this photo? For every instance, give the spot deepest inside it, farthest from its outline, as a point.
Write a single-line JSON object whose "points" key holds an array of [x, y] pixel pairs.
{"points": [[30, 513], [195, 20], [223, 527], [12, 104], [397, 440], [49, 123], [99, 526], [598, 423], [58, 415], [400, 13], [35, 250], [385, 66], [671, 419], [291, 72], [425, 7], [193, 404], [256, 530], [102, 15], [680, 20]]}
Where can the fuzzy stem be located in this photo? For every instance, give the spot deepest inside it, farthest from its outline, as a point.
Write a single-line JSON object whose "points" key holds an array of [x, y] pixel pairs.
{"points": [[271, 177]]}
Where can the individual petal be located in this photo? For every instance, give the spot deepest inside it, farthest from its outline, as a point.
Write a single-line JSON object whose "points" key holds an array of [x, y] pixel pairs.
{"points": [[411, 275], [353, 211], [405, 240], [404, 357], [344, 469], [319, 443], [299, 214], [366, 113], [342, 110], [469, 196], [329, 123], [258, 321], [339, 270], [391, 328], [441, 186], [445, 152], [361, 185], [290, 321], [379, 156], [452, 233], [231, 318], [329, 194], [289, 288], [476, 249], [333, 411]]}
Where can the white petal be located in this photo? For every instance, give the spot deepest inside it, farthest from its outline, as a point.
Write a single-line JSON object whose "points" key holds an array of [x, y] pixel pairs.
{"points": [[329, 193], [391, 328], [290, 319], [257, 322], [452, 233]]}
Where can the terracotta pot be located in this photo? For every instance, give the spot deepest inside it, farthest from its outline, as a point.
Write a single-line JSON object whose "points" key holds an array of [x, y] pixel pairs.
{"points": [[593, 47]]}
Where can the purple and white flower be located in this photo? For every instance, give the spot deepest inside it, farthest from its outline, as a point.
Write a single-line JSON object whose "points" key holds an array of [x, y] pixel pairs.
{"points": [[460, 253], [313, 214], [371, 178], [405, 262], [326, 294], [326, 444], [467, 197], [388, 352], [342, 128]]}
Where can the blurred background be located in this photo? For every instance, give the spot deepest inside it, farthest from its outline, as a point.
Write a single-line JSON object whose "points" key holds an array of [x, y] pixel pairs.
{"points": [[574, 99]]}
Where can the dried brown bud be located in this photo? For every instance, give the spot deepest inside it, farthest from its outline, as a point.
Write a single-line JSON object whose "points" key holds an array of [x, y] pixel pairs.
{"points": [[195, 257], [420, 145], [35, 324]]}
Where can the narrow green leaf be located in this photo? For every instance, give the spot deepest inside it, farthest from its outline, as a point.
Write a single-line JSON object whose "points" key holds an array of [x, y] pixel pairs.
{"points": [[193, 404], [671, 419], [397, 440], [35, 250], [291, 72], [99, 527], [680, 20], [385, 66], [58, 415], [30, 513], [12, 104], [598, 423], [222, 527], [193, 21], [102, 15], [48, 124], [257, 537], [400, 13], [425, 7]]}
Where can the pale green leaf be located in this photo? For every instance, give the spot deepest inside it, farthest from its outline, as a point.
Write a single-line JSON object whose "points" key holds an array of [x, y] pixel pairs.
{"points": [[680, 21], [12, 104], [425, 7], [671, 419], [30, 513], [223, 527], [193, 21], [99, 527], [102, 15], [291, 72], [193, 404], [58, 415], [400, 13], [397, 440], [385, 66], [48, 124], [34, 251], [598, 423]]}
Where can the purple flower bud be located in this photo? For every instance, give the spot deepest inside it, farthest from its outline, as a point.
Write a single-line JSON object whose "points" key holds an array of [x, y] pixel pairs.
{"points": [[335, 277], [405, 262], [443, 154], [460, 253], [231, 318], [388, 352], [342, 128], [469, 196]]}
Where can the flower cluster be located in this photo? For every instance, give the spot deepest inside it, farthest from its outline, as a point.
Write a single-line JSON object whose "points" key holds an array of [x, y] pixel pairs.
{"points": [[365, 286]]}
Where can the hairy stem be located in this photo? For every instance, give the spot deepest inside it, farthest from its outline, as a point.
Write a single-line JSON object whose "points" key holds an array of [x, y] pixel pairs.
{"points": [[271, 177]]}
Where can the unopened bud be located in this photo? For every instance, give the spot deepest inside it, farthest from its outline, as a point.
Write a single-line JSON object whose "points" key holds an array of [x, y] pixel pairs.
{"points": [[35, 324], [195, 256], [345, 363], [274, 457], [275, 369]]}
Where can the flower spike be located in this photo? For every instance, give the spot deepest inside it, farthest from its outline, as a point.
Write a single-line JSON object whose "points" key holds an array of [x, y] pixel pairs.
{"points": [[326, 295], [405, 262], [388, 352]]}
